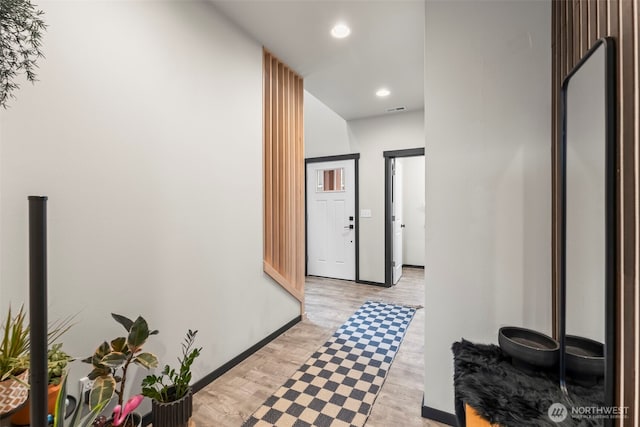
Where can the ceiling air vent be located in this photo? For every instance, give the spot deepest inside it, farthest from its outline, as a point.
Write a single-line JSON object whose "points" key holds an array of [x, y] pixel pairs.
{"points": [[395, 109]]}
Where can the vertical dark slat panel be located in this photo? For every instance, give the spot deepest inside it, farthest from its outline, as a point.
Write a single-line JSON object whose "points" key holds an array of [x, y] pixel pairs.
{"points": [[570, 34], [563, 37], [576, 33], [627, 123], [613, 18], [592, 16], [602, 18], [584, 27]]}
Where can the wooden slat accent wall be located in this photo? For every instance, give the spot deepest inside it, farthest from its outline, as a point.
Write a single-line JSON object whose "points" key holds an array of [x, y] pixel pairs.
{"points": [[284, 252], [576, 25]]}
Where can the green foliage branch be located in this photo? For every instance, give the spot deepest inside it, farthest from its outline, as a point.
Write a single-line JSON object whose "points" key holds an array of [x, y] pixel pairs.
{"points": [[21, 30]]}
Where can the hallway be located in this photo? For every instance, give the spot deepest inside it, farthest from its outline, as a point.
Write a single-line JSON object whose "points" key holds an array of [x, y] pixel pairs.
{"points": [[232, 398]]}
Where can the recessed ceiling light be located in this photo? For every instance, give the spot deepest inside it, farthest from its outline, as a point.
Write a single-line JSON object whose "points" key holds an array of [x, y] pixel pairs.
{"points": [[383, 92], [340, 31]]}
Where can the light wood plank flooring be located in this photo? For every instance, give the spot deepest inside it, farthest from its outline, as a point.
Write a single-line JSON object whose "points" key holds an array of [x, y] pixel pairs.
{"points": [[232, 398]]}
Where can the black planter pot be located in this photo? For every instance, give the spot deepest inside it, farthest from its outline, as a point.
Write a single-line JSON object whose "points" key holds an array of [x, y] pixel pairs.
{"points": [[173, 414]]}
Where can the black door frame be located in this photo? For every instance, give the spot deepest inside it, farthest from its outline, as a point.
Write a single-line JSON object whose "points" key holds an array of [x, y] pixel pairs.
{"points": [[356, 158], [389, 157]]}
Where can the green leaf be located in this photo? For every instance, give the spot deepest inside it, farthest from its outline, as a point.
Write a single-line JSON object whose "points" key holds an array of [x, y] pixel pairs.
{"points": [[114, 359], [58, 420], [119, 344], [149, 380], [146, 360], [124, 321], [101, 351], [152, 393], [99, 372], [138, 334], [102, 392]]}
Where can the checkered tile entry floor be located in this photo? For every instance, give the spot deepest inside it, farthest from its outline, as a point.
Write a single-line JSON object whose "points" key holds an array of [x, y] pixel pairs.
{"points": [[339, 383]]}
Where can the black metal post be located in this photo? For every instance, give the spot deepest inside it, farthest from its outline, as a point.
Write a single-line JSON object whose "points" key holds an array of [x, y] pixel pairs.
{"points": [[38, 309]]}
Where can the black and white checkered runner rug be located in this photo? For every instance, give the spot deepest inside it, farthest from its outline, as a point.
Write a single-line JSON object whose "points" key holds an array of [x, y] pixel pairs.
{"points": [[339, 383]]}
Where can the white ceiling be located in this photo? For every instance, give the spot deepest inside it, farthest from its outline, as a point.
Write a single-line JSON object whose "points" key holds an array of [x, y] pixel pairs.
{"points": [[385, 48]]}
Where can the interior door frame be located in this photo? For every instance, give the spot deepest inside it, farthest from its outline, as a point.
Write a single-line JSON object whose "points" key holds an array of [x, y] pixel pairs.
{"points": [[389, 156], [355, 157]]}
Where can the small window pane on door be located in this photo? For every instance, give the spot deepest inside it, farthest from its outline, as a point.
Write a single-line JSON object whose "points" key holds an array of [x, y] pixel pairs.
{"points": [[330, 180]]}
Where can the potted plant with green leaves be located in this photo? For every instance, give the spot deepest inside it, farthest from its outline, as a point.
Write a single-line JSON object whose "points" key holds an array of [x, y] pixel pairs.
{"points": [[14, 361], [14, 357], [57, 361], [171, 394], [111, 362]]}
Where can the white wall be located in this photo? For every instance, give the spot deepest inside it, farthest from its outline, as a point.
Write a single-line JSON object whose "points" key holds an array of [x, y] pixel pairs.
{"points": [[488, 191], [371, 137], [413, 208], [325, 132], [145, 131]]}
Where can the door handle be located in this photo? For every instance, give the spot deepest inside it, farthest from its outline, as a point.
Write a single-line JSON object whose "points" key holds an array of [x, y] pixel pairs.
{"points": [[350, 226], [402, 225]]}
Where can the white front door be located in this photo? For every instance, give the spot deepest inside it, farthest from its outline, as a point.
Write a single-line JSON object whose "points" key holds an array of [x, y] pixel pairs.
{"points": [[398, 226], [331, 210]]}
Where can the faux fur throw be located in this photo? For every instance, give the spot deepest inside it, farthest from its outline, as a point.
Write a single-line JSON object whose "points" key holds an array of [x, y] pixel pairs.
{"points": [[485, 379]]}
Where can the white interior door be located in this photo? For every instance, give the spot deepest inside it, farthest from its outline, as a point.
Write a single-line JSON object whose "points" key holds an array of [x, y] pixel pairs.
{"points": [[331, 205], [398, 226]]}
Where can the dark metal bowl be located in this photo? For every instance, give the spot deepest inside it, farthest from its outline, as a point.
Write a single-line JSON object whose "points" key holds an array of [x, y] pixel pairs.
{"points": [[584, 356], [529, 349]]}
